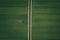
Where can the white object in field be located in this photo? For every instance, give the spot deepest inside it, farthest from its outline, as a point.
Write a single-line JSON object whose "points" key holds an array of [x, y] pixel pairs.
{"points": [[20, 21]]}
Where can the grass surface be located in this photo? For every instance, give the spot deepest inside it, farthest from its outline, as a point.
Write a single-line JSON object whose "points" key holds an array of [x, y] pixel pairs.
{"points": [[14, 15], [13, 20], [46, 20]]}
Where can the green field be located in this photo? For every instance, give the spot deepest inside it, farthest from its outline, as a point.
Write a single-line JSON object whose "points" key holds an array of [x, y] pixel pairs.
{"points": [[14, 20], [46, 20]]}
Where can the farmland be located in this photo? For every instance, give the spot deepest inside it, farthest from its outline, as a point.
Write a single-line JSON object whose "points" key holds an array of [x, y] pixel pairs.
{"points": [[46, 21], [14, 20]]}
